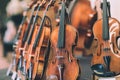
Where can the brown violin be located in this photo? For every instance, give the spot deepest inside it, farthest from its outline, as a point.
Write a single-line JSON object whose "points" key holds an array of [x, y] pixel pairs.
{"points": [[82, 17], [18, 43], [35, 55], [41, 45], [106, 59], [39, 61], [63, 65], [21, 32], [25, 40], [16, 46], [81, 14]]}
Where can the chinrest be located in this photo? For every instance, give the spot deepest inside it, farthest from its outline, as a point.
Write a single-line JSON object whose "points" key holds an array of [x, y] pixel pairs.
{"points": [[100, 70]]}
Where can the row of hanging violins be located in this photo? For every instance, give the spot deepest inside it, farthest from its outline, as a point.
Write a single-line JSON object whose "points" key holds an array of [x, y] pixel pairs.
{"points": [[34, 41]]}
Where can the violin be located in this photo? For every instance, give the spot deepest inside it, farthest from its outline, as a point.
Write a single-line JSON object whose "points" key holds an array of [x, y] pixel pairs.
{"points": [[42, 44], [13, 69], [63, 65], [34, 61], [81, 14], [18, 44], [39, 61], [20, 34], [20, 57], [24, 38], [106, 59], [82, 17]]}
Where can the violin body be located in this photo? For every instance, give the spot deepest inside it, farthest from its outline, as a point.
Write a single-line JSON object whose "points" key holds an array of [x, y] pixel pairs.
{"points": [[29, 52], [114, 32], [71, 69], [82, 14], [39, 55], [35, 56], [82, 18]]}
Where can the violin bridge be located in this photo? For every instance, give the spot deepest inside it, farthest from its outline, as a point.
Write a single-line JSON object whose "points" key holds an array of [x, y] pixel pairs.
{"points": [[59, 57]]}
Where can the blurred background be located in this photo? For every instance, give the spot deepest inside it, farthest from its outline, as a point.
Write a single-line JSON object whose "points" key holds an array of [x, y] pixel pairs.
{"points": [[10, 19]]}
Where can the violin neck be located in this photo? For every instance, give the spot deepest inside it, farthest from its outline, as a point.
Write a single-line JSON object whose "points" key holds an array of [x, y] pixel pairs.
{"points": [[22, 22], [33, 24], [40, 28], [20, 28], [105, 22], [32, 27], [61, 35], [108, 8], [28, 27]]}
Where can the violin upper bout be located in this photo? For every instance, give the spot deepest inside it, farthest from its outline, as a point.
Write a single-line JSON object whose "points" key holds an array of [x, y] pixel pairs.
{"points": [[71, 34]]}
